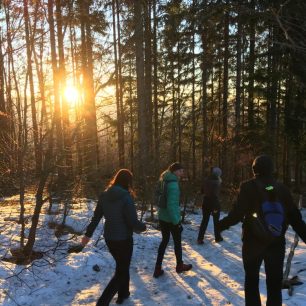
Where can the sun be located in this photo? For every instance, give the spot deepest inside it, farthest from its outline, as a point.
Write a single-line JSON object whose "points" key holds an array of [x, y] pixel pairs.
{"points": [[72, 95]]}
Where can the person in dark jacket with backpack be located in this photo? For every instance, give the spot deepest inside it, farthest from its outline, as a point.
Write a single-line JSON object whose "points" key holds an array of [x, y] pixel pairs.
{"points": [[211, 204], [170, 220], [117, 207], [264, 201]]}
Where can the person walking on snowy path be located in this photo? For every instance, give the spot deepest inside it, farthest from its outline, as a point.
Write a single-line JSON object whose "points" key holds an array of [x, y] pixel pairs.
{"points": [[211, 204], [266, 208], [170, 220], [117, 206]]}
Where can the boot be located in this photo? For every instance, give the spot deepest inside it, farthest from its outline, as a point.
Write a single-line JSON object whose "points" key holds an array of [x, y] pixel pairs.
{"points": [[183, 267], [218, 239], [200, 241], [158, 271], [121, 299]]}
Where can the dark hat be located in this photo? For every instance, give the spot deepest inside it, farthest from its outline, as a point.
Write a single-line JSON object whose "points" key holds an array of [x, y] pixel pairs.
{"points": [[263, 165], [175, 166]]}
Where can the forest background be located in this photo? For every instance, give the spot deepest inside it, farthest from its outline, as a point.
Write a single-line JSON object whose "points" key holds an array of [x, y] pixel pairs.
{"points": [[91, 86]]}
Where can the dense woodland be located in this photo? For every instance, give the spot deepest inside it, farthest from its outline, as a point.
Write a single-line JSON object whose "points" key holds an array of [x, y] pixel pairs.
{"points": [[91, 86]]}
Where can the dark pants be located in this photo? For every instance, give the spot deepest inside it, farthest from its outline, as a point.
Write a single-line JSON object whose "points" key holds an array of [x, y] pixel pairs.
{"points": [[122, 252], [273, 258], [206, 215], [176, 231]]}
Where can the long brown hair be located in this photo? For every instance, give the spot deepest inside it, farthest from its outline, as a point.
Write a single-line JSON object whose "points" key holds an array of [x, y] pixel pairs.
{"points": [[123, 178]]}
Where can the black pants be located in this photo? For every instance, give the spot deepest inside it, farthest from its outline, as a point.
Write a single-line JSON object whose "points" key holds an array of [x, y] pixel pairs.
{"points": [[176, 231], [205, 219], [122, 252], [273, 257]]}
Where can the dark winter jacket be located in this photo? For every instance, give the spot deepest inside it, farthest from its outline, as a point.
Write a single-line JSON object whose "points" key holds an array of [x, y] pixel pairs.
{"points": [[118, 209], [249, 198], [211, 190]]}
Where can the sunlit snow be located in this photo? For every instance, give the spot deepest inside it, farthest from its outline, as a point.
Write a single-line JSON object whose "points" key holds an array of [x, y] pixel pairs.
{"points": [[61, 279]]}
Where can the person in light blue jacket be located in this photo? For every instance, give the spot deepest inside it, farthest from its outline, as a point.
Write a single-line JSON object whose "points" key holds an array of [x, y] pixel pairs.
{"points": [[116, 205]]}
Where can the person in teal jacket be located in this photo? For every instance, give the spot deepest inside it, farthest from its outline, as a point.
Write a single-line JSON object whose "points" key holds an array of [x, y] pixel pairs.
{"points": [[170, 220]]}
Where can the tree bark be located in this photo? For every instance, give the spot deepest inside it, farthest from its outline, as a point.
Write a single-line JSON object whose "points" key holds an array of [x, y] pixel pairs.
{"points": [[62, 87], [141, 98], [155, 92], [38, 153], [148, 79], [225, 90], [251, 68], [91, 156], [119, 92]]}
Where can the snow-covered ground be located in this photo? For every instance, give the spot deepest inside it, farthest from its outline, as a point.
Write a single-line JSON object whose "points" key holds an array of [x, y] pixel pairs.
{"points": [[61, 279]]}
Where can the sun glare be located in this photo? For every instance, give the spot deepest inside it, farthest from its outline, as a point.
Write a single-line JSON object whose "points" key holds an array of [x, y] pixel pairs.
{"points": [[72, 95]]}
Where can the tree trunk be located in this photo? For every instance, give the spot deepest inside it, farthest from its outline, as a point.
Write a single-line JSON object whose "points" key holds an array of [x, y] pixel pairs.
{"points": [[205, 60], [131, 113], [238, 73], [225, 90], [62, 87], [272, 93], [141, 97], [91, 155], [4, 132], [38, 153], [251, 68], [121, 86], [148, 80], [193, 105], [174, 112], [46, 170], [238, 93], [119, 92], [155, 93]]}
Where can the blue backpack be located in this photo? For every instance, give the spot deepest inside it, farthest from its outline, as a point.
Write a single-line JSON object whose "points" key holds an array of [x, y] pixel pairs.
{"points": [[268, 222]]}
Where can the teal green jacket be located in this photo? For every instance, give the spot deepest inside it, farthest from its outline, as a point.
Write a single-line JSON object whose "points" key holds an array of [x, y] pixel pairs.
{"points": [[172, 213]]}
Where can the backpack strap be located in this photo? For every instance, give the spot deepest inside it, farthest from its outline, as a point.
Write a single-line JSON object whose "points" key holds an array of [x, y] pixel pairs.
{"points": [[166, 182], [262, 196], [169, 181]]}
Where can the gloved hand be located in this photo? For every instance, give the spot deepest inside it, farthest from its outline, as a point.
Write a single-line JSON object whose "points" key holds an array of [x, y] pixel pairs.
{"points": [[84, 240], [76, 248], [220, 226], [179, 227]]}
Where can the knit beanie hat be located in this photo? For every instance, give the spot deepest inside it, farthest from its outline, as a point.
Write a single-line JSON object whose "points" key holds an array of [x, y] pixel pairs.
{"points": [[216, 171], [175, 166]]}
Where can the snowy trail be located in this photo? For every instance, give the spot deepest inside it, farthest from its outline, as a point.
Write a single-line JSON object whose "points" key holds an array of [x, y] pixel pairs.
{"points": [[216, 278]]}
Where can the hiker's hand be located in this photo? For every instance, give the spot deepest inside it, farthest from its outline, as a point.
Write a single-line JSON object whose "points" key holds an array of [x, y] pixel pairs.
{"points": [[179, 227], [84, 240], [219, 227]]}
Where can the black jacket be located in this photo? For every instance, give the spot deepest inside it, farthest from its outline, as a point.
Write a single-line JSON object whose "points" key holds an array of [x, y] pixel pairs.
{"points": [[211, 190], [247, 201], [118, 209]]}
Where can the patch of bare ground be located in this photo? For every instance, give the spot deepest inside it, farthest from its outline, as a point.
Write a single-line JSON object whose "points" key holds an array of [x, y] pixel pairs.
{"points": [[20, 257], [60, 229]]}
